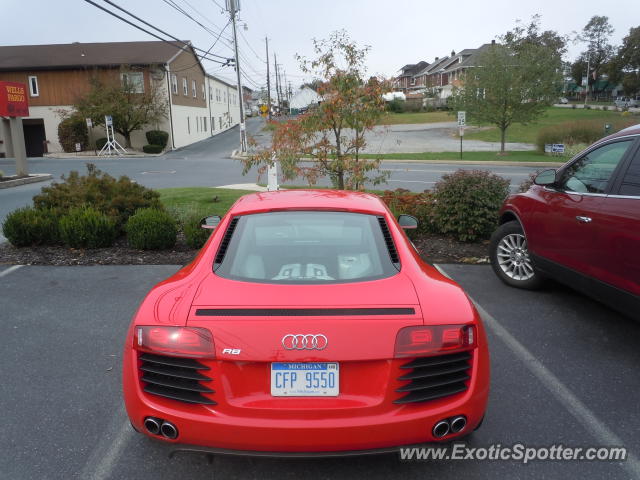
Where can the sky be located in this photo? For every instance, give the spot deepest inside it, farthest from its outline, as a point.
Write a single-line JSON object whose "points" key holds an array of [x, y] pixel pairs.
{"points": [[398, 32]]}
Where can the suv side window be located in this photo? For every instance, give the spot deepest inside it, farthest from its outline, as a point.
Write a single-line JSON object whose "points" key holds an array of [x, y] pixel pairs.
{"points": [[592, 172], [631, 181]]}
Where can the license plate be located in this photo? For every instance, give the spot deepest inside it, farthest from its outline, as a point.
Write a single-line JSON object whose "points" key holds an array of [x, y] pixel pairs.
{"points": [[310, 379]]}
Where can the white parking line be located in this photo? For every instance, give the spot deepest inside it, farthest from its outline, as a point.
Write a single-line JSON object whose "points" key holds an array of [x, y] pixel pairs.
{"points": [[563, 394], [9, 270], [104, 456]]}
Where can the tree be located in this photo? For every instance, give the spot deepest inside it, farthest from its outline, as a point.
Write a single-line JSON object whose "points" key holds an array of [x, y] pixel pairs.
{"points": [[625, 66], [513, 81], [328, 139], [130, 110], [599, 51]]}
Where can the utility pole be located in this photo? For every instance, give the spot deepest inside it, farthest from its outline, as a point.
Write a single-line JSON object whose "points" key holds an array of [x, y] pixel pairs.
{"points": [[233, 6], [275, 63], [586, 96], [289, 95], [266, 42]]}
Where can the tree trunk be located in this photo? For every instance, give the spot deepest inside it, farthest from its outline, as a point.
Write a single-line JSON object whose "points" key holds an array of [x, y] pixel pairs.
{"points": [[127, 139], [503, 133]]}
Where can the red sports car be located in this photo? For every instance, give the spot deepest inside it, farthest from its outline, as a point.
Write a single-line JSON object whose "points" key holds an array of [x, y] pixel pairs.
{"points": [[307, 324]]}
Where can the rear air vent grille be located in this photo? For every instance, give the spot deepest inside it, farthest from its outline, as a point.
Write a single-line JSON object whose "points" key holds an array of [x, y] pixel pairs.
{"points": [[435, 377], [393, 253], [176, 378], [222, 250]]}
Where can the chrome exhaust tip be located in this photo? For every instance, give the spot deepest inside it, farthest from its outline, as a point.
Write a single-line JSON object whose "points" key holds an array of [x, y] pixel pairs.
{"points": [[458, 424], [440, 429], [169, 430], [152, 425]]}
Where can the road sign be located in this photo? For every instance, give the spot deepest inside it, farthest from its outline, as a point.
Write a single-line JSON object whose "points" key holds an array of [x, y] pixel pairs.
{"points": [[78, 147], [89, 122], [462, 119], [108, 120]]}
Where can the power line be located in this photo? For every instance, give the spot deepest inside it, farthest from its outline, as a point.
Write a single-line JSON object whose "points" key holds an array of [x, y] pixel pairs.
{"points": [[213, 45], [177, 7], [151, 33], [250, 47]]}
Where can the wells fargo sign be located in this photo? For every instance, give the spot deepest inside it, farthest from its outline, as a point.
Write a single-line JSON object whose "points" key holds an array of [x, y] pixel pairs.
{"points": [[13, 100]]}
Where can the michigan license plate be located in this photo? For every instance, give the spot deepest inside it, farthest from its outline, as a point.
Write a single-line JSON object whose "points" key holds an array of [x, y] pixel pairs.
{"points": [[305, 379]]}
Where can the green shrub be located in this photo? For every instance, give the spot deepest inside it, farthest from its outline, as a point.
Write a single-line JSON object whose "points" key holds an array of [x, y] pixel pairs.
{"points": [[73, 130], [117, 198], [151, 229], [29, 226], [152, 148], [101, 142], [194, 235], [86, 227], [420, 205], [157, 137], [467, 203], [396, 105]]}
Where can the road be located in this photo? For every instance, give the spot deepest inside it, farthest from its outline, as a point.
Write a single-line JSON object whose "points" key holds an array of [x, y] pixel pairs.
{"points": [[564, 371], [208, 163]]}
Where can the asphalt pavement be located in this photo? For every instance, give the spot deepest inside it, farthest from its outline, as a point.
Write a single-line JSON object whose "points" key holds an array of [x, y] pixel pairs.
{"points": [[564, 371]]}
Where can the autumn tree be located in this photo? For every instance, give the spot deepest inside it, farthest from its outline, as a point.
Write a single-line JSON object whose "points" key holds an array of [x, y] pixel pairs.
{"points": [[514, 80], [329, 138], [130, 108]]}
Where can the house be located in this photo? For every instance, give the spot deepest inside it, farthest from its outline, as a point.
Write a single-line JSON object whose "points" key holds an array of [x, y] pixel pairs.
{"points": [[406, 80], [57, 75], [304, 97]]}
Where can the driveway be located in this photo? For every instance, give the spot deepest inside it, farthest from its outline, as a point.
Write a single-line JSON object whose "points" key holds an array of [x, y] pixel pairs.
{"points": [[564, 371]]}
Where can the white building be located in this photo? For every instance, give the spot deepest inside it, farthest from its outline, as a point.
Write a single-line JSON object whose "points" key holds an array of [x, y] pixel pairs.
{"points": [[200, 105], [304, 97]]}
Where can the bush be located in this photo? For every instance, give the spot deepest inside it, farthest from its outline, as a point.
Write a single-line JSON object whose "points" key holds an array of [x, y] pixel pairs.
{"points": [[117, 198], [151, 229], [101, 142], [73, 130], [152, 148], [29, 226], [157, 137], [574, 106], [467, 203], [583, 131], [194, 235], [86, 227], [396, 105], [420, 205]]}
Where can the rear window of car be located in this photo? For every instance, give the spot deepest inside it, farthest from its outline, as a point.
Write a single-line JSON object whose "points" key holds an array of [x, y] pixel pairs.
{"points": [[307, 247]]}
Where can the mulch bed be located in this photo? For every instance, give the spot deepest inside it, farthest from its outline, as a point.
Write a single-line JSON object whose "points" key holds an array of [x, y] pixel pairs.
{"points": [[434, 248]]}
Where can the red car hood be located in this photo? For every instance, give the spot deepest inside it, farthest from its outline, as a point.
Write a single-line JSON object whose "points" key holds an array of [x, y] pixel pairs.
{"points": [[359, 320]]}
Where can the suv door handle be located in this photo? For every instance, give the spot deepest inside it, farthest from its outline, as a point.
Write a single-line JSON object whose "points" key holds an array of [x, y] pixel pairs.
{"points": [[583, 219]]}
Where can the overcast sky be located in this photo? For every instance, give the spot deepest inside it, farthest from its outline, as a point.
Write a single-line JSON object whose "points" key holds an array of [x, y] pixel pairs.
{"points": [[398, 32]]}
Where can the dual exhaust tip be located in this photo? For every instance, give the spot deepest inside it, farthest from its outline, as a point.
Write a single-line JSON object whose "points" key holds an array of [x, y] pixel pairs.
{"points": [[449, 425], [157, 426]]}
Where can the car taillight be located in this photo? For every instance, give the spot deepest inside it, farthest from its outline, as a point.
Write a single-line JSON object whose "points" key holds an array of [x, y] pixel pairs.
{"points": [[422, 341], [182, 341]]}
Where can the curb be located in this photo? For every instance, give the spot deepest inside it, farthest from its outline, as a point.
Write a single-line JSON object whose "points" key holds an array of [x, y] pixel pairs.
{"points": [[71, 156], [477, 162], [33, 178]]}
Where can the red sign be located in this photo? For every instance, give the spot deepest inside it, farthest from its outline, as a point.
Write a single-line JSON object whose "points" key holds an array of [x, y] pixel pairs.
{"points": [[13, 100]]}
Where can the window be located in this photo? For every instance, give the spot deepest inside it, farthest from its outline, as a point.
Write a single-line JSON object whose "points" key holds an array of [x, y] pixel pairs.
{"points": [[194, 90], [213, 124], [204, 123], [133, 81], [592, 172], [204, 92], [220, 120], [188, 126], [34, 91], [631, 181], [197, 124], [218, 96], [224, 96], [307, 247], [185, 87], [174, 83], [210, 93]]}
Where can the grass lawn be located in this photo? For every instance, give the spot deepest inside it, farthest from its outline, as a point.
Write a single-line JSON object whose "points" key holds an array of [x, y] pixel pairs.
{"points": [[555, 115], [188, 201], [532, 156], [420, 117]]}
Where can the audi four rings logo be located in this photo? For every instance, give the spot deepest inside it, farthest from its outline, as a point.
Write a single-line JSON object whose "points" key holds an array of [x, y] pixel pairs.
{"points": [[304, 342]]}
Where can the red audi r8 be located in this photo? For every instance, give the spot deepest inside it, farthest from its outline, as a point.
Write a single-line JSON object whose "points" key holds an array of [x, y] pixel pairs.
{"points": [[307, 324]]}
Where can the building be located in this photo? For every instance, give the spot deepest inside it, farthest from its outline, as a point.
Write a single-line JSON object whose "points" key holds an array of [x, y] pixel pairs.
{"points": [[200, 105], [304, 97]]}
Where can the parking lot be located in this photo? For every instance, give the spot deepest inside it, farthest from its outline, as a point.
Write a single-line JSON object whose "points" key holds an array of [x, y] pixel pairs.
{"points": [[564, 371]]}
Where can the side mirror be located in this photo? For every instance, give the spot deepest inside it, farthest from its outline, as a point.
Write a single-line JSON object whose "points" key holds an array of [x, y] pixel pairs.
{"points": [[408, 222], [546, 177], [210, 223]]}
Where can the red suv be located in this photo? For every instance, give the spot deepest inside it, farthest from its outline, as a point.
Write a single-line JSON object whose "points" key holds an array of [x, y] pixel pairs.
{"points": [[579, 224]]}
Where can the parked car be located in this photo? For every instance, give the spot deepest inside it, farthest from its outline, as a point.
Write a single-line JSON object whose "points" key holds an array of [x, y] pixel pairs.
{"points": [[579, 224], [563, 100], [626, 102], [307, 323]]}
